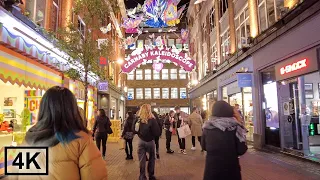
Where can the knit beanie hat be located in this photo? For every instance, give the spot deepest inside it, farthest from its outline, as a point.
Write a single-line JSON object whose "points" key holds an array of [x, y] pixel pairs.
{"points": [[222, 109]]}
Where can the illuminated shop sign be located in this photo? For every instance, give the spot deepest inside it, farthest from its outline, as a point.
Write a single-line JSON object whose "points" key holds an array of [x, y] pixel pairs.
{"points": [[293, 67]]}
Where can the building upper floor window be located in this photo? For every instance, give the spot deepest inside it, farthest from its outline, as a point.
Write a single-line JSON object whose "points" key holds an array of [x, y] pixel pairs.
{"points": [[139, 93], [178, 44], [223, 7], [225, 44], [170, 42], [242, 25], [165, 74], [174, 93], [147, 93], [165, 93], [214, 56], [131, 75], [182, 74], [139, 44], [173, 74], [147, 74], [156, 93], [130, 93], [81, 27], [37, 11], [183, 93], [211, 19], [156, 75], [55, 15], [139, 75]]}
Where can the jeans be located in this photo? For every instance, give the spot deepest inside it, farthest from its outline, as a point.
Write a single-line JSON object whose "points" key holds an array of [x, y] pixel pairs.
{"points": [[168, 139], [194, 140], [156, 141], [102, 138], [182, 142], [129, 147], [144, 148]]}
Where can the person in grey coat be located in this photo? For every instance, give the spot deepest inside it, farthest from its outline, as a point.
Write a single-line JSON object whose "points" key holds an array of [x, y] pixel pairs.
{"points": [[224, 140], [195, 123]]}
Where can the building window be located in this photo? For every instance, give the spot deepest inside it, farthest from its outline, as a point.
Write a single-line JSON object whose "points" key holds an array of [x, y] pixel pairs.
{"points": [[37, 11], [139, 44], [130, 75], [139, 93], [223, 7], [156, 93], [147, 74], [214, 56], [173, 74], [170, 42], [165, 73], [130, 93], [225, 44], [165, 93], [147, 93], [55, 15], [81, 27], [156, 75], [182, 74], [183, 93], [211, 19], [139, 75], [242, 24], [178, 44], [262, 13], [174, 93]]}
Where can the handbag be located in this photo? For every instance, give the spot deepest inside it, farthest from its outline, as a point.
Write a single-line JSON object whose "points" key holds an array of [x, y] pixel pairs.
{"points": [[184, 130], [128, 135], [108, 128], [122, 144]]}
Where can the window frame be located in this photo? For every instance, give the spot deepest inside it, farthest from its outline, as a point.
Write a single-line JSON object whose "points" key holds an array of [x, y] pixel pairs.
{"points": [[149, 75], [183, 73], [172, 96], [245, 22], [167, 73], [133, 92], [138, 93], [131, 74], [174, 74], [154, 94], [138, 75], [185, 90], [149, 96], [81, 27], [223, 43], [168, 93]]}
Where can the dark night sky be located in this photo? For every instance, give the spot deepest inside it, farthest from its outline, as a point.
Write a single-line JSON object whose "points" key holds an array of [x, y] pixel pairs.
{"points": [[133, 3]]}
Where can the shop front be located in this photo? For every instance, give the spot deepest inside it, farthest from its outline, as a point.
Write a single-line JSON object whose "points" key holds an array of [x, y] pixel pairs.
{"points": [[23, 82], [291, 103], [235, 87]]}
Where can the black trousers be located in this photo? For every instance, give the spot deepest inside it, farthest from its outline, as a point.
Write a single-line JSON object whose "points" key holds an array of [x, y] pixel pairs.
{"points": [[102, 138], [168, 139], [156, 141], [129, 148], [182, 142], [194, 140]]}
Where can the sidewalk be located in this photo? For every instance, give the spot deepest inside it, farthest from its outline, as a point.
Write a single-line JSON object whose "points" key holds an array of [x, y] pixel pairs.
{"points": [[256, 165]]}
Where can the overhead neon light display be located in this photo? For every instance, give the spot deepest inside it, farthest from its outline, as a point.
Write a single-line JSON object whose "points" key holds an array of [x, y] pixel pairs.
{"points": [[294, 67]]}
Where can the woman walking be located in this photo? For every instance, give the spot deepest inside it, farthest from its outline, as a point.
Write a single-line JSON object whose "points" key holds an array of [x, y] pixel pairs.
{"points": [[195, 122], [157, 138], [169, 126], [72, 153], [100, 131], [224, 140], [127, 134], [181, 119], [147, 129]]}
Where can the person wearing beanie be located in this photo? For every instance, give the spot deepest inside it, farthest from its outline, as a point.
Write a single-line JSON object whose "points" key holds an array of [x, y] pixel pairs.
{"points": [[224, 139]]}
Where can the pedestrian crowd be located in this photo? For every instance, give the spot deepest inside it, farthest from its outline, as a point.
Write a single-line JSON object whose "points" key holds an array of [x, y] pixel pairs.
{"points": [[74, 155]]}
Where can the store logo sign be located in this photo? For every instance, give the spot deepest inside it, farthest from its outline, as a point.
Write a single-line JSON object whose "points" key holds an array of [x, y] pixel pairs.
{"points": [[293, 67], [103, 86]]}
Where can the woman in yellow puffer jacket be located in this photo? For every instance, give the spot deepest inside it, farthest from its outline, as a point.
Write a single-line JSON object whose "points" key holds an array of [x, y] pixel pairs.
{"points": [[72, 152]]}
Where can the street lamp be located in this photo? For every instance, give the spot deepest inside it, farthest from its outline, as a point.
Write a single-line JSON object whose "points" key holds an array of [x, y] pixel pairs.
{"points": [[120, 61]]}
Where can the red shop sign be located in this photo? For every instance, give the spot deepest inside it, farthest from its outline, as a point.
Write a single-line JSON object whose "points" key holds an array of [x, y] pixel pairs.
{"points": [[293, 67]]}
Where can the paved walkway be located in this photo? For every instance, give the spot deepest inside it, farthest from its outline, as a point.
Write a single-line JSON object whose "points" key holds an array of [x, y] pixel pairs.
{"points": [[256, 165]]}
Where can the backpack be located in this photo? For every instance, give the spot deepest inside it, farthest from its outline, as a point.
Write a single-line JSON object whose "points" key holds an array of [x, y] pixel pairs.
{"points": [[141, 128]]}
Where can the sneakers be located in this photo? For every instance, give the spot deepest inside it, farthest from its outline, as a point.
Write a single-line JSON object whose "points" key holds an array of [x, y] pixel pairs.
{"points": [[193, 148], [104, 157], [170, 151], [184, 152]]}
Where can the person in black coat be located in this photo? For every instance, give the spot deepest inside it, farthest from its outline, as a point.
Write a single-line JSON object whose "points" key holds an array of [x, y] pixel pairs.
{"points": [[169, 124], [224, 140], [156, 139], [127, 134]]}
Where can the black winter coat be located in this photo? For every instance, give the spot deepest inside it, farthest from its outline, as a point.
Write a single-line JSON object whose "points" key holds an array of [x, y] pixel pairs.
{"points": [[223, 149]]}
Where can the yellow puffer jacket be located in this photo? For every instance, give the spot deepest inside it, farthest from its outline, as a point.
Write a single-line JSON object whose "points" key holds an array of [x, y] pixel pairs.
{"points": [[79, 159]]}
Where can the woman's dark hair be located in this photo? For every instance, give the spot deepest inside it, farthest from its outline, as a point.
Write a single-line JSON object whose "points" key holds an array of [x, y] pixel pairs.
{"points": [[59, 111], [170, 112], [130, 115], [222, 109], [102, 113]]}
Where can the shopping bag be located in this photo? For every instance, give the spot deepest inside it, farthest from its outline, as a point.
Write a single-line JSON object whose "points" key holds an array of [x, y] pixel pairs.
{"points": [[184, 131], [122, 144]]}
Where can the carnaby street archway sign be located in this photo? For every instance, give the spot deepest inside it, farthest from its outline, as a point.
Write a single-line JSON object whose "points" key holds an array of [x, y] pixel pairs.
{"points": [[179, 58]]}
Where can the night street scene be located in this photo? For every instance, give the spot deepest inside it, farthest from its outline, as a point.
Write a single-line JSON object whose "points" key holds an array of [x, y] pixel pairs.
{"points": [[160, 89]]}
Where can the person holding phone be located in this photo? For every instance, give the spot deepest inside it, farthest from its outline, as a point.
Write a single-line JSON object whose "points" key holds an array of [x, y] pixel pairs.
{"points": [[169, 126]]}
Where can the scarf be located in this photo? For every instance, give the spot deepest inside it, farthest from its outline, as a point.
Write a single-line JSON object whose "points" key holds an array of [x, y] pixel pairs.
{"points": [[227, 123]]}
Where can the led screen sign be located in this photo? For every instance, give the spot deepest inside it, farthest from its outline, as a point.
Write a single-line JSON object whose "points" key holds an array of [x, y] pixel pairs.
{"points": [[293, 67]]}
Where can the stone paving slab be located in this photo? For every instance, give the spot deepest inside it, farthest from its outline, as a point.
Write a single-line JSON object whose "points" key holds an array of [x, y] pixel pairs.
{"points": [[255, 165]]}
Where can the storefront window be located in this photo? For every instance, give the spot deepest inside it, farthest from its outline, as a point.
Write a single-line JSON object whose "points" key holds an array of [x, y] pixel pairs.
{"points": [[242, 28], [139, 93], [225, 94], [139, 75], [113, 109], [174, 93], [131, 75], [173, 74], [130, 93], [147, 93], [37, 11], [147, 74], [183, 93], [156, 93], [165, 74], [165, 93]]}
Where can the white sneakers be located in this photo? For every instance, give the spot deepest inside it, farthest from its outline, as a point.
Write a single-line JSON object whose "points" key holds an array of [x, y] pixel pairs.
{"points": [[193, 148], [183, 151]]}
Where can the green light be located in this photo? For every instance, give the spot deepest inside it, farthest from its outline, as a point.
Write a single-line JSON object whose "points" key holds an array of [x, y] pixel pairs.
{"points": [[311, 126]]}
